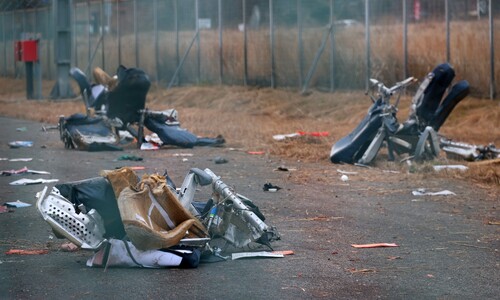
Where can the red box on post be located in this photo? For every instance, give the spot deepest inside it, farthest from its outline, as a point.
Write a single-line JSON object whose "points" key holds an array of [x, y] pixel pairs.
{"points": [[26, 51]]}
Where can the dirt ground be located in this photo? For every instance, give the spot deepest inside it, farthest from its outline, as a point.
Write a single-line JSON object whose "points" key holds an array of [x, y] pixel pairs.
{"points": [[248, 117], [448, 245]]}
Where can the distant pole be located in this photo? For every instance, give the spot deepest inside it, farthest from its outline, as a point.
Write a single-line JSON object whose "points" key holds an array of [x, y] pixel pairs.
{"points": [[332, 50], [245, 54], [4, 39], [198, 41], [62, 12], [136, 35], [103, 34], [89, 47], [118, 32], [221, 61], [367, 42], [405, 38], [156, 38], [300, 54], [492, 52], [177, 51], [271, 34], [447, 16]]}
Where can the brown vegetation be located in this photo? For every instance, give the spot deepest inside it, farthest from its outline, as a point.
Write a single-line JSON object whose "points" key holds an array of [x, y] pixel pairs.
{"points": [[248, 117]]}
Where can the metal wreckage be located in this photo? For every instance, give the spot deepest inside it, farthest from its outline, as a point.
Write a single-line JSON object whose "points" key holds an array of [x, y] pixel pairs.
{"points": [[417, 138], [147, 222]]}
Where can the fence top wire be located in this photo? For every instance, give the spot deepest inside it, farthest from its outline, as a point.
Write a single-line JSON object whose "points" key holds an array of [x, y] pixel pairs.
{"points": [[9, 5]]}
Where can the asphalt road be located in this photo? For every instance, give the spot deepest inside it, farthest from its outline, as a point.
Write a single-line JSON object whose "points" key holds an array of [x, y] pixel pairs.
{"points": [[447, 249]]}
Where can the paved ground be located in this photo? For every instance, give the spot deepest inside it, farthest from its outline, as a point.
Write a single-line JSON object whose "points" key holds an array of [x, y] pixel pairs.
{"points": [[447, 249]]}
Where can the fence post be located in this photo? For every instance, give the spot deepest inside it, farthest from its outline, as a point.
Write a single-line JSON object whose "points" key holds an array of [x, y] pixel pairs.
{"points": [[245, 54], [300, 46], [332, 50], [220, 42], [177, 55], [405, 38], [136, 35], [103, 34], [367, 43], [271, 36], [447, 17], [118, 32], [155, 25], [492, 51], [198, 50], [89, 46], [62, 88], [4, 39]]}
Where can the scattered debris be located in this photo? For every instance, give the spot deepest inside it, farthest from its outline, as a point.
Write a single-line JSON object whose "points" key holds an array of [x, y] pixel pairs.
{"points": [[269, 187], [346, 172], [69, 247], [344, 178], [183, 154], [149, 146], [423, 192], [22, 171], [451, 167], [256, 152], [284, 169], [21, 129], [17, 204], [21, 144], [468, 152], [18, 159], [235, 256], [130, 157], [220, 160], [393, 257], [354, 270], [5, 209], [376, 245], [26, 252], [281, 137], [26, 181], [493, 222]]}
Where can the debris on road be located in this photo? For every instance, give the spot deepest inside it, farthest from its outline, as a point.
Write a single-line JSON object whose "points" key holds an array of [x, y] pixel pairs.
{"points": [[69, 247], [17, 159], [22, 171], [130, 157], [450, 167], [21, 144], [5, 209], [17, 204], [268, 254], [26, 181], [220, 160], [256, 152], [423, 192], [376, 245], [26, 252], [346, 172], [269, 187]]}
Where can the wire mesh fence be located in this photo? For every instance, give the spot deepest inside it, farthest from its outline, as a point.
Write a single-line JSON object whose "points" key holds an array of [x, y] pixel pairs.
{"points": [[325, 44]]}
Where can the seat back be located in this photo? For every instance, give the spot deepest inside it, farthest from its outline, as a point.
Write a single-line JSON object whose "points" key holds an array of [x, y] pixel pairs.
{"points": [[84, 85], [458, 92], [428, 102], [129, 96]]}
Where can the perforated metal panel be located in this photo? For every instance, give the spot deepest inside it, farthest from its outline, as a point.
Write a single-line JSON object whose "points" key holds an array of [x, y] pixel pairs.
{"points": [[85, 230]]}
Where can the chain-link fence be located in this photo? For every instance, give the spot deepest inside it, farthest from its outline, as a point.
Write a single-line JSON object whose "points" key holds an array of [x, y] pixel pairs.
{"points": [[321, 44]]}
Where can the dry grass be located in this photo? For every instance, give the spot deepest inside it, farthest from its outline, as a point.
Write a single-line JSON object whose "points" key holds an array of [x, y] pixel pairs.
{"points": [[470, 55], [249, 117]]}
